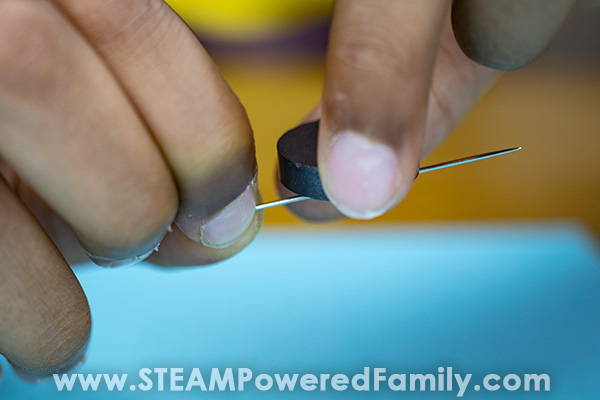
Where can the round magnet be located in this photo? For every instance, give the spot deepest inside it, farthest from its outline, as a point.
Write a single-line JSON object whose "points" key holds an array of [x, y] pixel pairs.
{"points": [[298, 170]]}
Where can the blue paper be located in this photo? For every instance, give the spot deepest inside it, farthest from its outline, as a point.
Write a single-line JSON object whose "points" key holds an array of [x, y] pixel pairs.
{"points": [[503, 299]]}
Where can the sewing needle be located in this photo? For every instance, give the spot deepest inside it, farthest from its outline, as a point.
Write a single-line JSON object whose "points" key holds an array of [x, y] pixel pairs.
{"points": [[429, 168]]}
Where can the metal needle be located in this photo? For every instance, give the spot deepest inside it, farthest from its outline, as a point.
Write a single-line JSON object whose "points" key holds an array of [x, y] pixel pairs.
{"points": [[429, 168], [466, 160], [281, 202]]}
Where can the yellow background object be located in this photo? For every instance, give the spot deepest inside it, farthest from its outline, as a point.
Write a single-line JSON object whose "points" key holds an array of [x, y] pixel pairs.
{"points": [[244, 20]]}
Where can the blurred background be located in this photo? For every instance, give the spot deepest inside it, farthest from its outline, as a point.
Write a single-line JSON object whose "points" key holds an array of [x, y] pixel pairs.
{"points": [[272, 51]]}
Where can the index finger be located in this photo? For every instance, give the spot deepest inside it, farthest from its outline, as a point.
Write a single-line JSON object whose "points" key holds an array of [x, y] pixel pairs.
{"points": [[379, 70]]}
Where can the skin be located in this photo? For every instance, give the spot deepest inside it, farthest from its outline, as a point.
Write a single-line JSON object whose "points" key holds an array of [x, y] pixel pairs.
{"points": [[134, 132], [119, 103]]}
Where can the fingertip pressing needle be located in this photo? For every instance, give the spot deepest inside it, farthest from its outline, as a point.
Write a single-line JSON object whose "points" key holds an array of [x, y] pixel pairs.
{"points": [[428, 168]]}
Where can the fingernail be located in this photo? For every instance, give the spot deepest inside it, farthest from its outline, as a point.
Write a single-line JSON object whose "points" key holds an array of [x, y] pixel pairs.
{"points": [[117, 261], [361, 176], [29, 376], [229, 224]]}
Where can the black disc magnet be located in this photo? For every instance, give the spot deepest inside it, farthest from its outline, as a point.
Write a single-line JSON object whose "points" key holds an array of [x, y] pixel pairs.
{"points": [[298, 170]]}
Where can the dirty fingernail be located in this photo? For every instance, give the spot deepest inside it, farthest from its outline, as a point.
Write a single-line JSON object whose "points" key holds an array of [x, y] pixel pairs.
{"points": [[361, 176]]}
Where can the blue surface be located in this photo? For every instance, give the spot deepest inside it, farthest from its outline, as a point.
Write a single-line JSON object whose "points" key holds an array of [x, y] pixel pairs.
{"points": [[479, 299]]}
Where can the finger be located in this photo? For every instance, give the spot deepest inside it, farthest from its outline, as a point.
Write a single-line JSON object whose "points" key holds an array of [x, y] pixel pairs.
{"points": [[507, 34], [175, 249], [178, 250], [456, 85], [196, 119], [71, 133], [44, 315], [379, 68]]}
